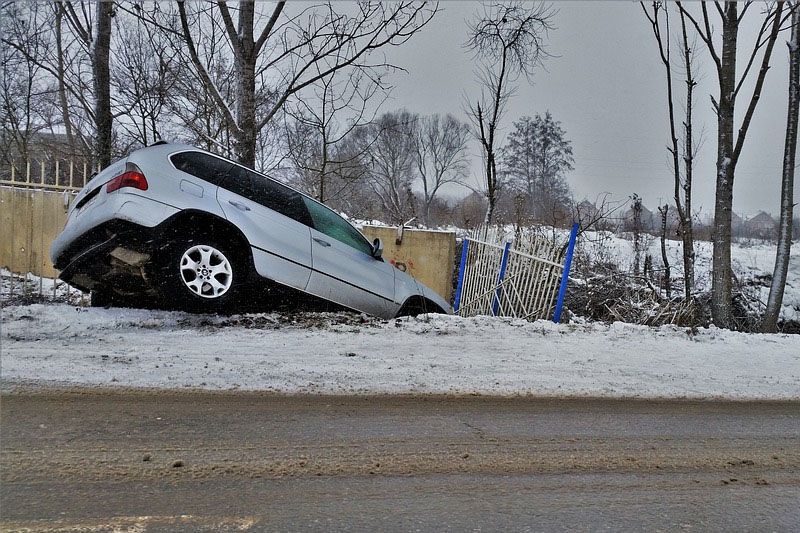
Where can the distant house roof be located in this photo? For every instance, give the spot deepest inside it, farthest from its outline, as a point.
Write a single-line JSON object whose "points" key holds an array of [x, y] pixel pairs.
{"points": [[588, 209], [762, 220]]}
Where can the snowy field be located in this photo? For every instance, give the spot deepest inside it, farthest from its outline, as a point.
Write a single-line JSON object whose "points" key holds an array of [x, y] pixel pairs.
{"points": [[59, 345]]}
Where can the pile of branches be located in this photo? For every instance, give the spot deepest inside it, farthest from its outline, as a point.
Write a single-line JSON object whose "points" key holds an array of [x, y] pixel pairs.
{"points": [[623, 297], [633, 299]]}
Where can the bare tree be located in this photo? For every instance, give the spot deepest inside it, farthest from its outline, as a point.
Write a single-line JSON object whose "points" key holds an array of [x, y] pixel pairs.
{"points": [[319, 127], [682, 182], [192, 100], [388, 148], [70, 67], [292, 52], [102, 83], [778, 285], [440, 145], [20, 84], [144, 74], [508, 42], [729, 145], [79, 60]]}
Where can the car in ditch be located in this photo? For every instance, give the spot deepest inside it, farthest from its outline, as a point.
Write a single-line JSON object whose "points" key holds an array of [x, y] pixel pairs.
{"points": [[185, 227]]}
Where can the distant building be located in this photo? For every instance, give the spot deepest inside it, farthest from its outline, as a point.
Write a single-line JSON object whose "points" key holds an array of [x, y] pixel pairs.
{"points": [[649, 222], [587, 212], [761, 226]]}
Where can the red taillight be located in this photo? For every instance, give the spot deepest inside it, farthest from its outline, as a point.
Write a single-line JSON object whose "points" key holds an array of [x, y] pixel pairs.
{"points": [[132, 177]]}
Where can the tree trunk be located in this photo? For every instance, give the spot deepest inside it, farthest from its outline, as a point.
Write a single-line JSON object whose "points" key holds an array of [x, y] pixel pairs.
{"points": [[685, 211], [721, 277], [246, 114], [102, 83], [246, 87], [637, 234], [772, 312], [667, 283], [62, 90], [323, 170], [491, 187]]}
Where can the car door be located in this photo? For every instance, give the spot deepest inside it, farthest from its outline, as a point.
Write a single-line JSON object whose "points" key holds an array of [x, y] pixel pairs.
{"points": [[344, 270], [275, 221]]}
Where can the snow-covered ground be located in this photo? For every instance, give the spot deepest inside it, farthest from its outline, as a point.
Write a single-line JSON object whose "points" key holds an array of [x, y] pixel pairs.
{"points": [[61, 345]]}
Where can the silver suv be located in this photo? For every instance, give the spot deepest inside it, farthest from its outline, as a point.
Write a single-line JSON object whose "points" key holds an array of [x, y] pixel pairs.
{"points": [[195, 230]]}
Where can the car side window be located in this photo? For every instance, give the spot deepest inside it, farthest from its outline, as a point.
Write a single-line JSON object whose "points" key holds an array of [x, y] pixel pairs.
{"points": [[204, 166], [332, 225], [269, 193]]}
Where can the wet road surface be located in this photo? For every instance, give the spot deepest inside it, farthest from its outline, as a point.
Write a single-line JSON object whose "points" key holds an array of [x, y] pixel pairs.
{"points": [[149, 461]]}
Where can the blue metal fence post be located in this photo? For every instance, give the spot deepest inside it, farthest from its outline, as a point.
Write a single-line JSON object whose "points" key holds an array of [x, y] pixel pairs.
{"points": [[503, 263], [461, 268], [562, 291]]}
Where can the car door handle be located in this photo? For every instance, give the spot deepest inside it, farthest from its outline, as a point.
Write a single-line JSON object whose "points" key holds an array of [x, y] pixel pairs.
{"points": [[323, 243], [238, 205]]}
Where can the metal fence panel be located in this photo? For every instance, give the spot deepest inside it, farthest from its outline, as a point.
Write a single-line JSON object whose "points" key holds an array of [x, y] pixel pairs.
{"points": [[520, 281]]}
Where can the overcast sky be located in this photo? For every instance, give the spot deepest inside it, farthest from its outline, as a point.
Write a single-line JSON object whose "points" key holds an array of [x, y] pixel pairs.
{"points": [[606, 86]]}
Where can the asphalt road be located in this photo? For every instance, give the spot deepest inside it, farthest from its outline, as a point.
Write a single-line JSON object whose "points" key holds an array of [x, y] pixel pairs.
{"points": [[139, 462]]}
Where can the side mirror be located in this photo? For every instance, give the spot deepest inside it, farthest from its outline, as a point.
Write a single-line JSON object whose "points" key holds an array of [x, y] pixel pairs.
{"points": [[377, 249]]}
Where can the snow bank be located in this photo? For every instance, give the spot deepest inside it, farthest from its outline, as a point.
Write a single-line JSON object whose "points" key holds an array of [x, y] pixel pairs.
{"points": [[319, 353]]}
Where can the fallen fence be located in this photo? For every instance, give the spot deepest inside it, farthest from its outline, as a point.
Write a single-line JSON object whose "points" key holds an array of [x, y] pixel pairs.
{"points": [[527, 281]]}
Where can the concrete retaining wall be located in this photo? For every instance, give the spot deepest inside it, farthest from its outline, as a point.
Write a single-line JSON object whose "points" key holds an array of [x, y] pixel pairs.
{"points": [[30, 219], [424, 255]]}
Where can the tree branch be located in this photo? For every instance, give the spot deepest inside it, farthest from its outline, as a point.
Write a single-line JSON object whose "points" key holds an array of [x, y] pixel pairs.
{"points": [[762, 74], [270, 25], [212, 88]]}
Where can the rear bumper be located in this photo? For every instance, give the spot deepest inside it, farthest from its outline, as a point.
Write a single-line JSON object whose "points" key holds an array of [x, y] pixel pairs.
{"points": [[113, 252]]}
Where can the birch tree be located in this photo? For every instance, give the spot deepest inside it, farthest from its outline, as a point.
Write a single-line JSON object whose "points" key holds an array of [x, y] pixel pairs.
{"points": [[772, 312], [730, 141]]}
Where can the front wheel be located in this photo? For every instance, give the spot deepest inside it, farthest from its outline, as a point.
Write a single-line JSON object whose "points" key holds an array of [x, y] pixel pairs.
{"points": [[200, 275]]}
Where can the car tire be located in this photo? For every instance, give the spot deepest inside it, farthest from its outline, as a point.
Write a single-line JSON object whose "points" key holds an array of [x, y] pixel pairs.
{"points": [[417, 306], [199, 274]]}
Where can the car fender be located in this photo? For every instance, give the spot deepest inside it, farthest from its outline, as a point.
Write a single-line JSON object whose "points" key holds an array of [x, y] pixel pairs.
{"points": [[407, 287]]}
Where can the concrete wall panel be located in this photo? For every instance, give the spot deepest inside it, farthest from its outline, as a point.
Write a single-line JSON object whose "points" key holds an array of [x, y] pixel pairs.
{"points": [[427, 256], [29, 221]]}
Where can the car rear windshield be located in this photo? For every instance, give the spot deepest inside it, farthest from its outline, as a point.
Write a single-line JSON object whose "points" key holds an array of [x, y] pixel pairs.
{"points": [[204, 166]]}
